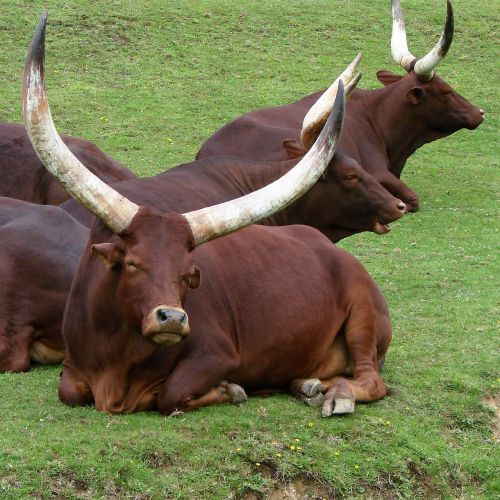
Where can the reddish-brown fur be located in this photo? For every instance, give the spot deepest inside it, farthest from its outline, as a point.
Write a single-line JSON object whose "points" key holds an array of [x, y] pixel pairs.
{"points": [[382, 127], [274, 305], [344, 201], [25, 178], [40, 247]]}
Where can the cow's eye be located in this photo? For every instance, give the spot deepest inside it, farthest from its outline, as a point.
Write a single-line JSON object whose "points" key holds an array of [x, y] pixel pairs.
{"points": [[352, 177], [131, 266]]}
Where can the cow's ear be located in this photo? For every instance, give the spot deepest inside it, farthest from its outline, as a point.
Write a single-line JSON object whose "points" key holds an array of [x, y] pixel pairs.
{"points": [[415, 95], [108, 253], [195, 279], [293, 148], [387, 77]]}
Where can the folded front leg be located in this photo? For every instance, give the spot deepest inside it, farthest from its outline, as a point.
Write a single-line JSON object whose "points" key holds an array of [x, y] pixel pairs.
{"points": [[197, 382]]}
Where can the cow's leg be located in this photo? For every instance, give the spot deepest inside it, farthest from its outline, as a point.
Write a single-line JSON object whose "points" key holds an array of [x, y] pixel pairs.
{"points": [[398, 188], [357, 354], [73, 388], [196, 382], [15, 344]]}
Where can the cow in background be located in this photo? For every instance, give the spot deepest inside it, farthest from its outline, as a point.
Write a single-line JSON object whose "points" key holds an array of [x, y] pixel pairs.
{"points": [[40, 247], [383, 127], [25, 178], [344, 201]]}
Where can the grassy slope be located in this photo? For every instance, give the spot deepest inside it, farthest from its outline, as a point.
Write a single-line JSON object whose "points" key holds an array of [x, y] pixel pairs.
{"points": [[148, 82]]}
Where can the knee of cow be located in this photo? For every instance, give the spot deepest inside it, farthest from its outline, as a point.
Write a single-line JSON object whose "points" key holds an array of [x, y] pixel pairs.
{"points": [[412, 203], [13, 360], [73, 391], [170, 401]]}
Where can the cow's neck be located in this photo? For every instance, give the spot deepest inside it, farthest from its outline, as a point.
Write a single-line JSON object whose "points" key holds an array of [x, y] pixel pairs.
{"points": [[392, 123]]}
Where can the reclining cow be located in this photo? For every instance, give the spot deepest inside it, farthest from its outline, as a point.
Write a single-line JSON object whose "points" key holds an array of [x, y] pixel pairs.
{"points": [[383, 127], [344, 201], [40, 247], [25, 178], [278, 307]]}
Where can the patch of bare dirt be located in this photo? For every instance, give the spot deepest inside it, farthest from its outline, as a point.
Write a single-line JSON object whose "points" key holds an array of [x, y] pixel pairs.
{"points": [[494, 403], [296, 489]]}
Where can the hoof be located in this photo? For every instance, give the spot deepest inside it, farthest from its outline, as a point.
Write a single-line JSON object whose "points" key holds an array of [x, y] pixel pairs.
{"points": [[337, 406], [315, 401], [236, 394], [311, 387]]}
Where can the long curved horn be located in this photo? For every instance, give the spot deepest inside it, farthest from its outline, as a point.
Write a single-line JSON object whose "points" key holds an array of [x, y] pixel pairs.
{"points": [[424, 68], [399, 45], [212, 222], [111, 207], [318, 114]]}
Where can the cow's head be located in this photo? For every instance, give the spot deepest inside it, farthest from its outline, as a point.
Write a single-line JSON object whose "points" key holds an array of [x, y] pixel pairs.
{"points": [[347, 198], [138, 266], [434, 102]]}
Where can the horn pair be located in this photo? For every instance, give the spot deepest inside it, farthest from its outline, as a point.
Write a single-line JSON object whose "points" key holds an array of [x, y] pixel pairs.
{"points": [[116, 211], [424, 67]]}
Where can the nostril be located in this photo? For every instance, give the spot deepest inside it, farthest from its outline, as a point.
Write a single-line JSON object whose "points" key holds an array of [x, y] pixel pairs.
{"points": [[481, 111], [182, 317], [161, 315], [401, 206]]}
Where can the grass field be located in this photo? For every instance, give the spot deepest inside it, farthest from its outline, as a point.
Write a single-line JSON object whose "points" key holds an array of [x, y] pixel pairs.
{"points": [[148, 81]]}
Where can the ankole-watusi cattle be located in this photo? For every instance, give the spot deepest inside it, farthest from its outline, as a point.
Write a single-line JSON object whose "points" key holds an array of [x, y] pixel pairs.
{"points": [[277, 307], [40, 247], [382, 128], [345, 200], [25, 178]]}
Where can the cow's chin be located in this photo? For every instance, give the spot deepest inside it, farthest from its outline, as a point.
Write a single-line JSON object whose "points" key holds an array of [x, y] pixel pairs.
{"points": [[167, 338], [379, 228]]}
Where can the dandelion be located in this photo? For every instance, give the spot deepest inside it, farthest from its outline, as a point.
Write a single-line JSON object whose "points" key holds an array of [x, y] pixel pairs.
{"points": [[297, 440], [356, 466], [299, 447], [257, 464], [336, 453], [310, 424], [238, 449], [278, 455], [292, 447]]}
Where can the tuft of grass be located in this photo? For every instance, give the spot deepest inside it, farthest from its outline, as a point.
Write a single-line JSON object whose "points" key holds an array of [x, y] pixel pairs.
{"points": [[149, 81]]}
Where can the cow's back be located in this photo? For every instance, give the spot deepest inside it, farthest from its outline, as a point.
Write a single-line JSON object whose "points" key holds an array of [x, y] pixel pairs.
{"points": [[258, 135], [25, 178]]}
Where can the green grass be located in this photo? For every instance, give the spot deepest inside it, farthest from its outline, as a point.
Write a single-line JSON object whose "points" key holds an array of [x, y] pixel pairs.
{"points": [[148, 81]]}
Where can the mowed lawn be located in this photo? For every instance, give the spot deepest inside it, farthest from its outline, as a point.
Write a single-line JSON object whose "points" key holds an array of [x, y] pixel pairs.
{"points": [[149, 81]]}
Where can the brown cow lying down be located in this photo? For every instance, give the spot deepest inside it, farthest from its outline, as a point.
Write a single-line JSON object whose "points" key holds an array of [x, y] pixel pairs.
{"points": [[279, 307], [25, 178], [383, 127], [346, 199], [40, 247]]}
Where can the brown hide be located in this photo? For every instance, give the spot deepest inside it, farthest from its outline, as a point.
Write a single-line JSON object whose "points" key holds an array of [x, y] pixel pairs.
{"points": [[39, 252], [346, 200], [382, 127], [25, 178], [274, 305]]}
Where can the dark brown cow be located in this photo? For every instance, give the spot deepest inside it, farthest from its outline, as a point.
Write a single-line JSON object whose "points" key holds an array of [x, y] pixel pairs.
{"points": [[278, 306], [344, 201], [40, 247], [383, 127], [25, 178]]}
